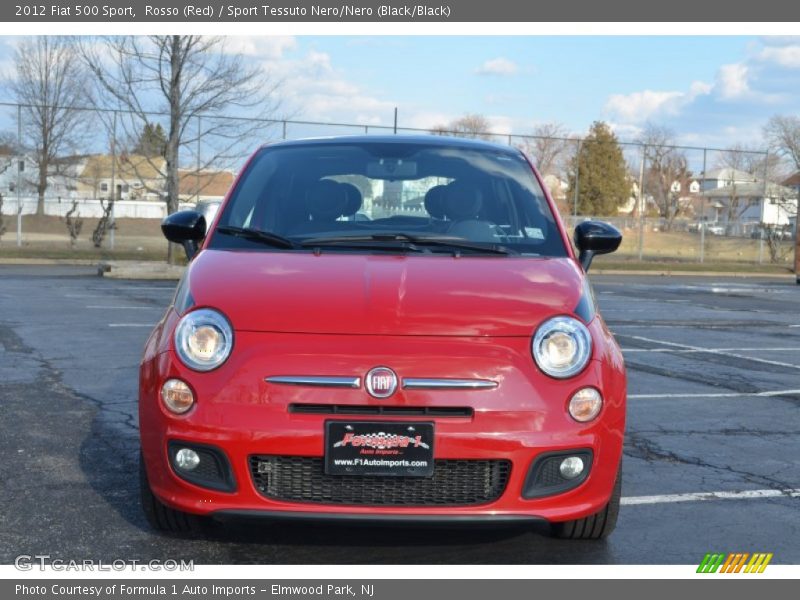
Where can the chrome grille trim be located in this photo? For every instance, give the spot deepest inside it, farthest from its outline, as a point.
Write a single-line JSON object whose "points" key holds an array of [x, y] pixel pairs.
{"points": [[419, 383], [315, 381], [408, 383]]}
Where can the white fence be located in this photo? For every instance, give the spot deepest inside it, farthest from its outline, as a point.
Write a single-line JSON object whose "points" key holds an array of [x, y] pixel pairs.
{"points": [[88, 208]]}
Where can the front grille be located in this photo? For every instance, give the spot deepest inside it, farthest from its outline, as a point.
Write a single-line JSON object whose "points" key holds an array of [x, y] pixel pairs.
{"points": [[361, 409], [454, 483]]}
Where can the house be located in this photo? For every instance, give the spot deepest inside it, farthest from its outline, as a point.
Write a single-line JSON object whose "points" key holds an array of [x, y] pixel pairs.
{"points": [[793, 182], [195, 186], [745, 206], [22, 171], [726, 177], [132, 177], [18, 172]]}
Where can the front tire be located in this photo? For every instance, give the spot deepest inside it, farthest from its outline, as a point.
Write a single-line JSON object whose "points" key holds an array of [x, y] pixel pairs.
{"points": [[160, 516], [594, 527]]}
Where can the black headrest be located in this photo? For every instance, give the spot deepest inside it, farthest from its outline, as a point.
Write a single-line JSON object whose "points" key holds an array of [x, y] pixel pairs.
{"points": [[354, 198], [326, 200], [462, 201], [434, 201]]}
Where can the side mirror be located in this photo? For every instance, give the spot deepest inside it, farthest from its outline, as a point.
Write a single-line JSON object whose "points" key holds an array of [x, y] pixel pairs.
{"points": [[595, 237], [187, 228]]}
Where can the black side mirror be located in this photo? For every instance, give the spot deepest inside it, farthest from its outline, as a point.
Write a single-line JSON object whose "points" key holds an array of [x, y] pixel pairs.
{"points": [[595, 237], [187, 228]]}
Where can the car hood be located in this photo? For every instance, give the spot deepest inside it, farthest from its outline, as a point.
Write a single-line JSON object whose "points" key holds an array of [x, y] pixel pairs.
{"points": [[342, 293]]}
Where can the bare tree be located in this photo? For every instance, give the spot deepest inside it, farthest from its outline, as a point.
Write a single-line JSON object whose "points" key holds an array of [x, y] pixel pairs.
{"points": [[547, 147], [667, 173], [104, 223], [2, 219], [74, 223], [469, 126], [783, 134], [736, 161], [752, 159], [50, 83], [203, 90]]}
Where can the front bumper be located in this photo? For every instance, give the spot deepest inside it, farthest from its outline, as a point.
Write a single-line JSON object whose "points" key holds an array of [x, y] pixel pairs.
{"points": [[523, 418]]}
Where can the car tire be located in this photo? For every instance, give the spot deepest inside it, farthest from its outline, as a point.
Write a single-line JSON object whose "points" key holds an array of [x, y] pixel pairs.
{"points": [[594, 527], [160, 516]]}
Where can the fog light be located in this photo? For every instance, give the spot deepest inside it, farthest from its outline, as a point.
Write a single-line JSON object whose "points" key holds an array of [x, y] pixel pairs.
{"points": [[571, 467], [585, 404], [187, 459], [177, 396]]}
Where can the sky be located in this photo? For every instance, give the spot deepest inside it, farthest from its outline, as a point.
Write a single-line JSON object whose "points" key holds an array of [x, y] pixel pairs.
{"points": [[709, 90]]}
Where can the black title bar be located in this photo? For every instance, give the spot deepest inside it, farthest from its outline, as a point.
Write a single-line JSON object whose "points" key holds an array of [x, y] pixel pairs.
{"points": [[333, 11]]}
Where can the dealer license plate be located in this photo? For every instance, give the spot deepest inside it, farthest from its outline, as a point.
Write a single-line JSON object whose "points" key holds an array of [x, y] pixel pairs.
{"points": [[378, 448]]}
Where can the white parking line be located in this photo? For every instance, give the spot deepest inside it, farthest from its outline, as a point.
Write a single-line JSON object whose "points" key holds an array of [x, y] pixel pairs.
{"points": [[774, 363], [651, 325], [95, 296], [136, 288], [705, 496], [104, 307], [717, 395], [691, 351], [131, 325]]}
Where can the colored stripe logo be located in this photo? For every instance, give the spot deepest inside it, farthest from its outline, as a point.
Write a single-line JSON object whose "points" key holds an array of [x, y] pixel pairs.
{"points": [[734, 562]]}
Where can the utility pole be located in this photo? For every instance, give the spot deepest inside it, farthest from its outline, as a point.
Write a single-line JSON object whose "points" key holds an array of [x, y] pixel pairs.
{"points": [[113, 178], [577, 184], [199, 150], [763, 207], [641, 202], [703, 210], [19, 175]]}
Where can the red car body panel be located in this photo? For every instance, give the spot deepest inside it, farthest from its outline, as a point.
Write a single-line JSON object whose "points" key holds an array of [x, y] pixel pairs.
{"points": [[385, 294], [341, 315]]}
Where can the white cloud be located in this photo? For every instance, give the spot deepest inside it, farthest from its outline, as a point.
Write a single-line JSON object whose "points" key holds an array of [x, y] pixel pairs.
{"points": [[500, 125], [498, 66], [699, 88], [314, 89], [641, 106], [784, 56], [265, 47], [624, 131], [732, 81]]}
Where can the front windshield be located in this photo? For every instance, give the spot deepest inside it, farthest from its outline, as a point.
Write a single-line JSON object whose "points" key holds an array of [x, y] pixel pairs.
{"points": [[342, 195]]}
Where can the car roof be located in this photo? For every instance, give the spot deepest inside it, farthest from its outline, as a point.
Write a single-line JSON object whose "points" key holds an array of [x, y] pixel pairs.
{"points": [[428, 140]]}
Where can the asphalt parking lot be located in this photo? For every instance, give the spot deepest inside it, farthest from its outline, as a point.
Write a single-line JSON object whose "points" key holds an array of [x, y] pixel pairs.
{"points": [[711, 455]]}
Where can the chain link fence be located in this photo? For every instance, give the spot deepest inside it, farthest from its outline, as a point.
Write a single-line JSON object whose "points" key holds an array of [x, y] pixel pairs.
{"points": [[105, 194]]}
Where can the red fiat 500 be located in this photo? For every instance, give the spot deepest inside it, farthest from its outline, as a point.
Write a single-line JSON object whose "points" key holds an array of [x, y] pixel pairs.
{"points": [[384, 328]]}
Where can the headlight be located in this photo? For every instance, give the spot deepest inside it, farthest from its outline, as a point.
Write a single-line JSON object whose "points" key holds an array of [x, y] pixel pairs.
{"points": [[561, 347], [203, 339]]}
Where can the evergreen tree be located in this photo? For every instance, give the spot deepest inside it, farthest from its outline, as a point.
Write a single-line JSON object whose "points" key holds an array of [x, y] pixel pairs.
{"points": [[603, 183], [152, 141]]}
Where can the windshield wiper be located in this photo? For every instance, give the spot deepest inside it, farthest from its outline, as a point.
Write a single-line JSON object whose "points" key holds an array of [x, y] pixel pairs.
{"points": [[264, 237], [362, 242], [452, 243]]}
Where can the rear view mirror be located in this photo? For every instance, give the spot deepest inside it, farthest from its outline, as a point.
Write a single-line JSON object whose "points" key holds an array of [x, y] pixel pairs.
{"points": [[595, 237], [187, 228], [391, 168]]}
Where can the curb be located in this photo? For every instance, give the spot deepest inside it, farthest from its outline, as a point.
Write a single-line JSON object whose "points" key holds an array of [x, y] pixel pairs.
{"points": [[142, 271], [679, 273], [74, 262]]}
